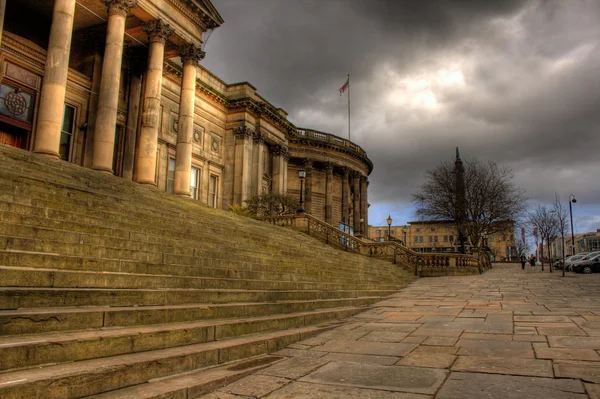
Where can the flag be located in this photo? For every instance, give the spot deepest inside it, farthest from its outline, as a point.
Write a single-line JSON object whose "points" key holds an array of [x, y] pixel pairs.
{"points": [[345, 86]]}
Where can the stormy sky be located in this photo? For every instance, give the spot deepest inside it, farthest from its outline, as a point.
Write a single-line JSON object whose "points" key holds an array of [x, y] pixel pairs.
{"points": [[516, 82]]}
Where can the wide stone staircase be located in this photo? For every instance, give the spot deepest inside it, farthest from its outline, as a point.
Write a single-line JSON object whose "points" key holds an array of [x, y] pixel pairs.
{"points": [[110, 289]]}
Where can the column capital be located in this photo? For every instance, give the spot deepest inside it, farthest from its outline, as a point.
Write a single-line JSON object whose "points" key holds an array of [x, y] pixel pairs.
{"points": [[120, 7], [307, 163], [345, 171], [355, 175], [242, 133], [364, 179], [191, 54], [329, 167], [286, 153], [157, 31], [258, 137]]}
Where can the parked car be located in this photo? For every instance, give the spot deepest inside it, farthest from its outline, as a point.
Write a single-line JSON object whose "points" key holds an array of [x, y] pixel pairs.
{"points": [[588, 267], [572, 259], [591, 258]]}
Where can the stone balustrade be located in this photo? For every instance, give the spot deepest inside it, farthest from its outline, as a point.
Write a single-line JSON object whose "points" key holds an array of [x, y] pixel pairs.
{"points": [[423, 264]]}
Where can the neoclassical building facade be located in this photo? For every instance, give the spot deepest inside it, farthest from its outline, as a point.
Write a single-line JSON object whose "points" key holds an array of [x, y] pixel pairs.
{"points": [[117, 86]]}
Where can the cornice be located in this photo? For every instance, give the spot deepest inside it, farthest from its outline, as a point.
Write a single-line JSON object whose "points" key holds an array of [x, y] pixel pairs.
{"points": [[195, 13], [325, 145], [262, 110]]}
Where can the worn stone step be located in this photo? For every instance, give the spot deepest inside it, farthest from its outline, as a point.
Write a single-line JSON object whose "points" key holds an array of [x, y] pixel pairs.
{"points": [[193, 385], [25, 351], [89, 377], [14, 276], [40, 320], [21, 297]]}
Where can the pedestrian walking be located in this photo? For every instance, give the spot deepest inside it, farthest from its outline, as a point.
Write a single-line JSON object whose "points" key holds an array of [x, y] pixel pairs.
{"points": [[523, 262], [532, 262]]}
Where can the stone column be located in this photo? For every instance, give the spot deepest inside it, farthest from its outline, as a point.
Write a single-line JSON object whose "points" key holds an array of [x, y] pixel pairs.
{"points": [[308, 167], [279, 163], [145, 162], [329, 192], [190, 55], [108, 98], [258, 162], [286, 160], [356, 205], [364, 205], [133, 111], [2, 12], [345, 172], [241, 164], [54, 85]]}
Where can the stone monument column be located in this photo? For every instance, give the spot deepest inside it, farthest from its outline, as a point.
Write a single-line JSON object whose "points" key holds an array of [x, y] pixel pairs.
{"points": [[258, 161], [356, 206], [145, 164], [241, 164], [108, 98], [190, 55], [308, 167], [345, 173], [286, 160], [364, 205], [279, 163], [54, 85], [329, 192]]}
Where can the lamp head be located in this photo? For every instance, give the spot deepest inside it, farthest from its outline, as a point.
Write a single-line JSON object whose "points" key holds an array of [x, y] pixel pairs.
{"points": [[389, 220], [573, 200], [301, 174]]}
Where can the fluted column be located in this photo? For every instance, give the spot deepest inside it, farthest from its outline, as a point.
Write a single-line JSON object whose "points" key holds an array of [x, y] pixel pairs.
{"points": [[356, 205], [241, 164], [54, 85], [308, 167], [329, 192], [345, 172], [279, 164], [258, 162], [190, 55], [108, 98], [364, 205], [145, 163]]}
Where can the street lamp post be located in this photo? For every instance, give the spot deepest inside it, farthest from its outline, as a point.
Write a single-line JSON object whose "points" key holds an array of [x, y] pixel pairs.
{"points": [[301, 176], [572, 200], [389, 222]]}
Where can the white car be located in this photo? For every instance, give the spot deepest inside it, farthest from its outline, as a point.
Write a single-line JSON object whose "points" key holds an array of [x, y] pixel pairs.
{"points": [[575, 258], [591, 257]]}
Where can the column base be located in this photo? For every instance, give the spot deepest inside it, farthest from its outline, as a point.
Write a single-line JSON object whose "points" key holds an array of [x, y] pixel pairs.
{"points": [[183, 195], [48, 154], [107, 171]]}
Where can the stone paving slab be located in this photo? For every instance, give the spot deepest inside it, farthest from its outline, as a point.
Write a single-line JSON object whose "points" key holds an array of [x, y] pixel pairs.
{"points": [[389, 378], [479, 386], [504, 334]]}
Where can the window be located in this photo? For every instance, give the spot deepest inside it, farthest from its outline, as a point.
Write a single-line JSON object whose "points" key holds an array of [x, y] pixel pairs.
{"points": [[433, 229], [66, 132], [430, 238], [445, 238], [491, 238], [503, 237], [195, 183], [418, 229], [171, 175], [447, 229], [420, 238], [213, 191], [416, 239], [435, 238], [378, 232], [392, 233]]}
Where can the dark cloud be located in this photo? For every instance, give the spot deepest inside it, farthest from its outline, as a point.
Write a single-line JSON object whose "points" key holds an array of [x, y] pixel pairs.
{"points": [[510, 81]]}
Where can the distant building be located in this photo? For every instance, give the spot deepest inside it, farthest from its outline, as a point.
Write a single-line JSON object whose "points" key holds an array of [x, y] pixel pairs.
{"points": [[441, 236], [586, 242]]}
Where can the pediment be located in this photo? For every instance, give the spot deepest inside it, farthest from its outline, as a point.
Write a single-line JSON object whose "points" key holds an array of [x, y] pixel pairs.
{"points": [[207, 12]]}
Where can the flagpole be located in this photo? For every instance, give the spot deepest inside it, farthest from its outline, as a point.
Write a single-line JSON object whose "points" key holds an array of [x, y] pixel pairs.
{"points": [[348, 106]]}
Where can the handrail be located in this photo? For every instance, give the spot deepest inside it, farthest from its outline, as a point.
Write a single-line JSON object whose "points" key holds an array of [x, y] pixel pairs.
{"points": [[389, 250]]}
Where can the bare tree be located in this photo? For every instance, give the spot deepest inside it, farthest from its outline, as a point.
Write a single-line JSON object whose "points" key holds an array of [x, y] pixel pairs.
{"points": [[561, 214], [543, 218], [492, 202]]}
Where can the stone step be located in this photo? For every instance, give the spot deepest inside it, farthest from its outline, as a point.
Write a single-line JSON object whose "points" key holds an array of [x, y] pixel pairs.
{"points": [[89, 377], [61, 239], [20, 297], [193, 384], [41, 320], [25, 351], [239, 270]]}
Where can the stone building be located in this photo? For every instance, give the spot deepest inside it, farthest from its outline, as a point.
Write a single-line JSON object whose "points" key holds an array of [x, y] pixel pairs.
{"points": [[442, 236], [117, 86]]}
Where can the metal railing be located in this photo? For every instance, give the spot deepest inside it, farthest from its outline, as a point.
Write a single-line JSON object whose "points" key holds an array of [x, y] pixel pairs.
{"points": [[392, 250]]}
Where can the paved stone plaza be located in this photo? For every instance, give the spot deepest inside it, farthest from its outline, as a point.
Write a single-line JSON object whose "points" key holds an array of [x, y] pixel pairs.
{"points": [[503, 334]]}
